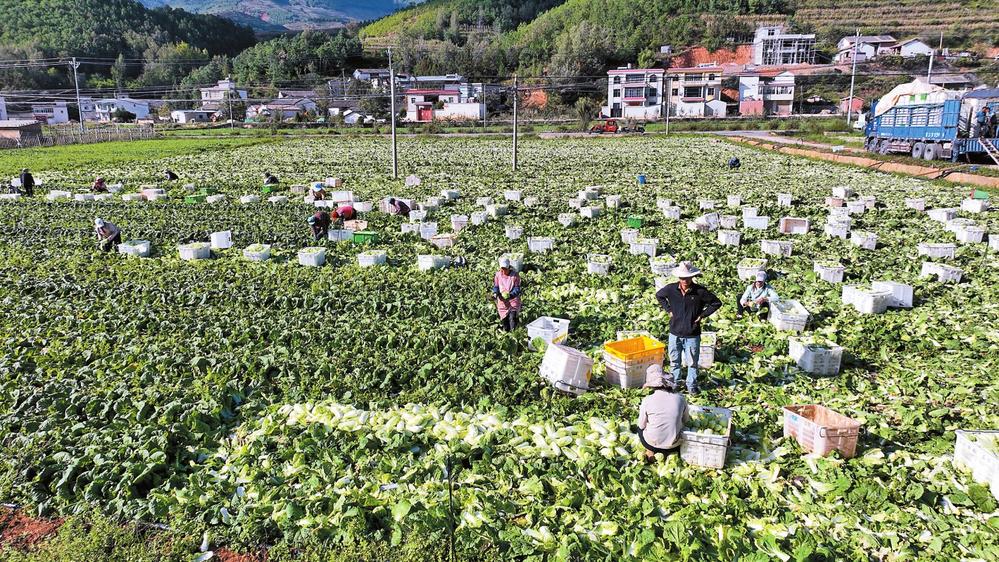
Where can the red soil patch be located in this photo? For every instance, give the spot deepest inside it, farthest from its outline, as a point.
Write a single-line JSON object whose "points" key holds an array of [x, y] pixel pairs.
{"points": [[17, 530], [226, 555]]}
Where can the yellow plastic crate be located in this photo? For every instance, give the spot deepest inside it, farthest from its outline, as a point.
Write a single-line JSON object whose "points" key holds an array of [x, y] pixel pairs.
{"points": [[635, 349]]}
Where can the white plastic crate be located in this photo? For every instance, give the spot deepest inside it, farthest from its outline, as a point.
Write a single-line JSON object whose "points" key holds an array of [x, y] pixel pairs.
{"points": [[705, 204], [994, 242], [793, 225], [749, 267], [567, 219], [221, 240], [842, 192], [942, 215], [703, 449], [839, 213], [589, 194], [479, 218], [728, 221], [788, 315], [590, 212], [312, 257], [428, 230], [631, 375], [342, 196], [829, 271], [443, 240], [531, 201], [901, 293], [729, 237], [956, 224], [215, 198], [917, 203], [820, 431], [137, 248], [577, 203], [257, 252], [837, 230], [363, 206], [944, 273], [567, 369], [709, 220], [409, 228], [551, 330], [972, 454], [246, 199], [598, 264], [629, 235], [613, 201], [333, 182], [458, 222], [153, 193], [856, 207], [425, 262], [936, 250], [540, 244], [865, 240], [695, 226], [871, 301], [450, 194], [512, 194], [975, 205], [277, 200], [513, 232], [497, 210], [340, 235], [776, 247], [645, 246], [748, 212], [672, 213], [55, 195], [814, 358], [83, 197], [870, 202], [733, 201], [9, 196], [756, 223], [195, 251], [417, 215], [785, 200], [663, 203], [132, 197], [103, 196], [663, 265], [372, 258], [835, 202], [970, 234], [516, 260]]}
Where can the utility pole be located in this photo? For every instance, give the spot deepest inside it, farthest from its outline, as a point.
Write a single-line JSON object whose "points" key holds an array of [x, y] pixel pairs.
{"points": [[669, 91], [929, 71], [79, 106], [232, 118], [853, 79], [395, 152], [516, 94]]}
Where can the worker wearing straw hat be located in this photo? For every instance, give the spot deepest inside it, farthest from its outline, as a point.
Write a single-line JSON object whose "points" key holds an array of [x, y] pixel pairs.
{"points": [[662, 414], [687, 304]]}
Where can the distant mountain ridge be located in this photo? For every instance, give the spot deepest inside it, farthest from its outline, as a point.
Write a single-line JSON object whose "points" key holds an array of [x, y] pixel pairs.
{"points": [[271, 15]]}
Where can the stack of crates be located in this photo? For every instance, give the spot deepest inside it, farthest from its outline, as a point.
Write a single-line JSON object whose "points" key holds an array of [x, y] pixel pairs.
{"points": [[627, 360]]}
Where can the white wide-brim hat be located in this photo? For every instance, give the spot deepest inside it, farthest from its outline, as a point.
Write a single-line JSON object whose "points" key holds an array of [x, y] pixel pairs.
{"points": [[686, 269]]}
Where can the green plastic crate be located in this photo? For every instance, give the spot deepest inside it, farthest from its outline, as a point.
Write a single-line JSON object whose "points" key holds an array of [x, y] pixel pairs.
{"points": [[268, 189], [192, 199], [979, 194], [635, 221], [208, 191], [364, 236]]}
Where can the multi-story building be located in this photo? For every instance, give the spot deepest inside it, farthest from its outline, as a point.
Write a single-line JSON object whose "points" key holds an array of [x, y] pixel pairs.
{"points": [[696, 91], [634, 93], [772, 46], [224, 90], [766, 93], [105, 108], [425, 105]]}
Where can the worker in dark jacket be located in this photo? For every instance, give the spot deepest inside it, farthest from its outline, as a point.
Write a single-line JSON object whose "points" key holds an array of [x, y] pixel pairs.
{"points": [[687, 304], [320, 225], [27, 183], [397, 207], [108, 234], [734, 164], [982, 121], [270, 179], [99, 186], [168, 175]]}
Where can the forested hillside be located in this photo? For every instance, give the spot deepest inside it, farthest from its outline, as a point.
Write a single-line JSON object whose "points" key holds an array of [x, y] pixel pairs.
{"points": [[290, 14]]}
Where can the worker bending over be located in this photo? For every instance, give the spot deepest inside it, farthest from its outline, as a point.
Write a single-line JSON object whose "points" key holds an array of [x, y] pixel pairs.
{"points": [[108, 234], [320, 225], [343, 213], [397, 207], [99, 186]]}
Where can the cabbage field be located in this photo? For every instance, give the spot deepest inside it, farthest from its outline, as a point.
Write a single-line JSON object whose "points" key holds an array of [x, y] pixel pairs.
{"points": [[379, 413]]}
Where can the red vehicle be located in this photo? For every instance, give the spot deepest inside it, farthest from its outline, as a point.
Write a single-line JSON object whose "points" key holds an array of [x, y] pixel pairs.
{"points": [[610, 126]]}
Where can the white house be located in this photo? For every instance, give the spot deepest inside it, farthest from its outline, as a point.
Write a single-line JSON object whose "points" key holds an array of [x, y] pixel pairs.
{"points": [[105, 108], [352, 117], [88, 109], [378, 78], [434, 82], [766, 93], [694, 91], [908, 49], [3, 109], [868, 47], [772, 46], [425, 105], [287, 108], [634, 93], [53, 113], [225, 89], [185, 116]]}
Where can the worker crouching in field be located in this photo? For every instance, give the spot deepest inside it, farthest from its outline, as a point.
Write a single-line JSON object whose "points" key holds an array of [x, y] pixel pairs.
{"points": [[343, 213], [100, 186], [318, 193], [662, 414], [320, 225], [27, 183], [757, 298], [270, 179], [108, 235], [687, 304], [506, 291], [734, 163], [397, 207]]}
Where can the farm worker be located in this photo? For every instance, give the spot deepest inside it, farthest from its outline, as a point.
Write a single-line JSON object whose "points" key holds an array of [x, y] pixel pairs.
{"points": [[757, 297], [982, 120], [108, 234], [318, 193], [100, 186], [687, 304], [169, 175], [733, 163], [397, 207], [994, 124], [270, 179], [27, 183], [506, 291], [662, 414], [343, 213], [320, 224]]}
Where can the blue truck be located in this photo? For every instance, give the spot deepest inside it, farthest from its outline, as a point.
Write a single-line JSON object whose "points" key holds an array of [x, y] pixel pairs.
{"points": [[936, 131]]}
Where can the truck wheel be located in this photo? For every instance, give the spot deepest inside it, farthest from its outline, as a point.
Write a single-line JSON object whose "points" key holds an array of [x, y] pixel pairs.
{"points": [[917, 150], [871, 144], [931, 152], [884, 147]]}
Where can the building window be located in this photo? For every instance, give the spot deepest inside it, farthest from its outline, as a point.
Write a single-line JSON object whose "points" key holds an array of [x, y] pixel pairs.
{"points": [[675, 92], [412, 100], [692, 92], [711, 91], [693, 77], [633, 93], [653, 92], [634, 79], [711, 77], [617, 79], [617, 93]]}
